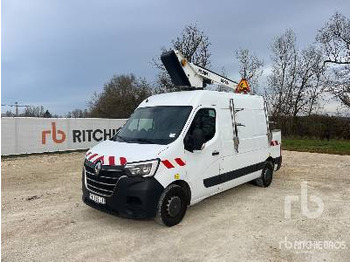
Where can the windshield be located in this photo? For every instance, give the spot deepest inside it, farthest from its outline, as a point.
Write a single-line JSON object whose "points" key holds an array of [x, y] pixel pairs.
{"points": [[154, 125]]}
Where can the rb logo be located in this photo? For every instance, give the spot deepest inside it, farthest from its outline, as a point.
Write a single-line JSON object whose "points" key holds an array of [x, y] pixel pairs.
{"points": [[53, 135], [303, 203]]}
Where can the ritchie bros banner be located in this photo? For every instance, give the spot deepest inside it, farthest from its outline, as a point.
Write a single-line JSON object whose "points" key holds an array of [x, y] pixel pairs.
{"points": [[37, 135]]}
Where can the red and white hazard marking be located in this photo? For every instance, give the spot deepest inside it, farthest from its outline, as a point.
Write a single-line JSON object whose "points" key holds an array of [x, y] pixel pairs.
{"points": [[170, 165], [113, 161], [274, 143], [106, 160]]}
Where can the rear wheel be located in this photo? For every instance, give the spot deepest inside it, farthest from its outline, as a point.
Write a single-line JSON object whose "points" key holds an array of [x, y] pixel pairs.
{"points": [[266, 176], [172, 206]]}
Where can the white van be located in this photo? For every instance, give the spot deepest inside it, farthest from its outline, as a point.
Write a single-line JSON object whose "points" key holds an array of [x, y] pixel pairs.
{"points": [[179, 148]]}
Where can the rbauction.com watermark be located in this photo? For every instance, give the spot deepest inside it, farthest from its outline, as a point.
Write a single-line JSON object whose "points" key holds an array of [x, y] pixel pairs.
{"points": [[310, 245]]}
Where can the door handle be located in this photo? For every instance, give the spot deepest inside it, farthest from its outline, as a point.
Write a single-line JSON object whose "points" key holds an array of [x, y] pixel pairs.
{"points": [[215, 153]]}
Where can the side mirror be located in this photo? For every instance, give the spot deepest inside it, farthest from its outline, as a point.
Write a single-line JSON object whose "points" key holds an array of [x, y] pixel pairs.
{"points": [[198, 139], [188, 142], [194, 141]]}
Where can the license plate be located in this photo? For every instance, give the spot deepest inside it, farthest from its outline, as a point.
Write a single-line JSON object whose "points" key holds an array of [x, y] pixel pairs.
{"points": [[97, 199]]}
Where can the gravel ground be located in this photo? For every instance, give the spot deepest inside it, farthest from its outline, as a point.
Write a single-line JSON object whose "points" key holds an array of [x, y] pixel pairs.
{"points": [[44, 219]]}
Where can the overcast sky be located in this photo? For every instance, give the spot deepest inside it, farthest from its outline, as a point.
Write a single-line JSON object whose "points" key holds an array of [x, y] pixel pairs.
{"points": [[57, 53]]}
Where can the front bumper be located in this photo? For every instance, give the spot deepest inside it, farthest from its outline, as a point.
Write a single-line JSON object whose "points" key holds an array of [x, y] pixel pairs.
{"points": [[133, 197]]}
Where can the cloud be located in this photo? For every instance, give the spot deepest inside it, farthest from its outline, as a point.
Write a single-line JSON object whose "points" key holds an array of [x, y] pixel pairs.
{"points": [[58, 52]]}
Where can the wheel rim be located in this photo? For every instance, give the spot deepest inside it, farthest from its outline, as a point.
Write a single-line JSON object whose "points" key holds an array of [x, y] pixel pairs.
{"points": [[174, 206]]}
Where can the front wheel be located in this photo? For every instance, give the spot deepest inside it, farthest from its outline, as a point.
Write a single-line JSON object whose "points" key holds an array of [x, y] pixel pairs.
{"points": [[172, 206]]}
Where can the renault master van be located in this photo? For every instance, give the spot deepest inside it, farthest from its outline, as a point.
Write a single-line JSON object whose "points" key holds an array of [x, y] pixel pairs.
{"points": [[179, 148]]}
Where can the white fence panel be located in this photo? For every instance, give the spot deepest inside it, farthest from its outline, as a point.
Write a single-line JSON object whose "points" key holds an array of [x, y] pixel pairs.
{"points": [[22, 135]]}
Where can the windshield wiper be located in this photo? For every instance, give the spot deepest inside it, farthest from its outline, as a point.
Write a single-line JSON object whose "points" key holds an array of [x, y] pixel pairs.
{"points": [[118, 136]]}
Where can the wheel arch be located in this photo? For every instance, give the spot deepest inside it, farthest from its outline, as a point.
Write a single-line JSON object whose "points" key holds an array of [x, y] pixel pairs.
{"points": [[271, 160], [185, 186]]}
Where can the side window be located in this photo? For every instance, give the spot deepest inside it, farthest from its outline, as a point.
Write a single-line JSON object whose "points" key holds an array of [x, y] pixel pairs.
{"points": [[204, 120]]}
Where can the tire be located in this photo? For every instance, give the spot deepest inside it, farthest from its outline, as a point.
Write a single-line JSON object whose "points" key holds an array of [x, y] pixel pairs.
{"points": [[266, 176], [172, 206]]}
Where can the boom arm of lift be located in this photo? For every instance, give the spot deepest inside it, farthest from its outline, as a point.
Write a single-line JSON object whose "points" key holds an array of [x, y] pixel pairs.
{"points": [[184, 73]]}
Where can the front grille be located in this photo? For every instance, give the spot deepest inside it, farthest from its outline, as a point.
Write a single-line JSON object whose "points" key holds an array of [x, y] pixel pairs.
{"points": [[103, 183]]}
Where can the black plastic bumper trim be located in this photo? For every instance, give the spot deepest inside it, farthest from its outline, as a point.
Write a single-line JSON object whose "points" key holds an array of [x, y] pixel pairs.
{"points": [[133, 197], [219, 179], [278, 161]]}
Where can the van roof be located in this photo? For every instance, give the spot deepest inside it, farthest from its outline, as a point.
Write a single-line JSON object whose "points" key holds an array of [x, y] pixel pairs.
{"points": [[196, 98]]}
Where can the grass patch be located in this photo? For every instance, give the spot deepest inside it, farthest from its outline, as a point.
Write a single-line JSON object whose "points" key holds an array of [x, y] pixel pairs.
{"points": [[340, 147]]}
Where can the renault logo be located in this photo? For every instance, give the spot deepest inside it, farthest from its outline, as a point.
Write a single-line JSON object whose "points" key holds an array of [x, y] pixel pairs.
{"points": [[98, 167]]}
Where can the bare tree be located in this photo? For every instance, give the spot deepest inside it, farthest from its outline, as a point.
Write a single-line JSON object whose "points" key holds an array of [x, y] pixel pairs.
{"points": [[309, 84], [316, 91], [120, 96], [250, 67], [194, 45], [297, 79], [334, 39], [8, 113], [282, 79], [34, 111], [78, 113]]}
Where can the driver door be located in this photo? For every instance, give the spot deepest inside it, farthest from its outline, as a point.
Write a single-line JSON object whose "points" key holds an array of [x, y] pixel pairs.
{"points": [[204, 163]]}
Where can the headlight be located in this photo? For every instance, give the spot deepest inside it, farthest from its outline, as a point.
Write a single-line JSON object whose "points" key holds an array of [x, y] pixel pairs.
{"points": [[145, 169]]}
